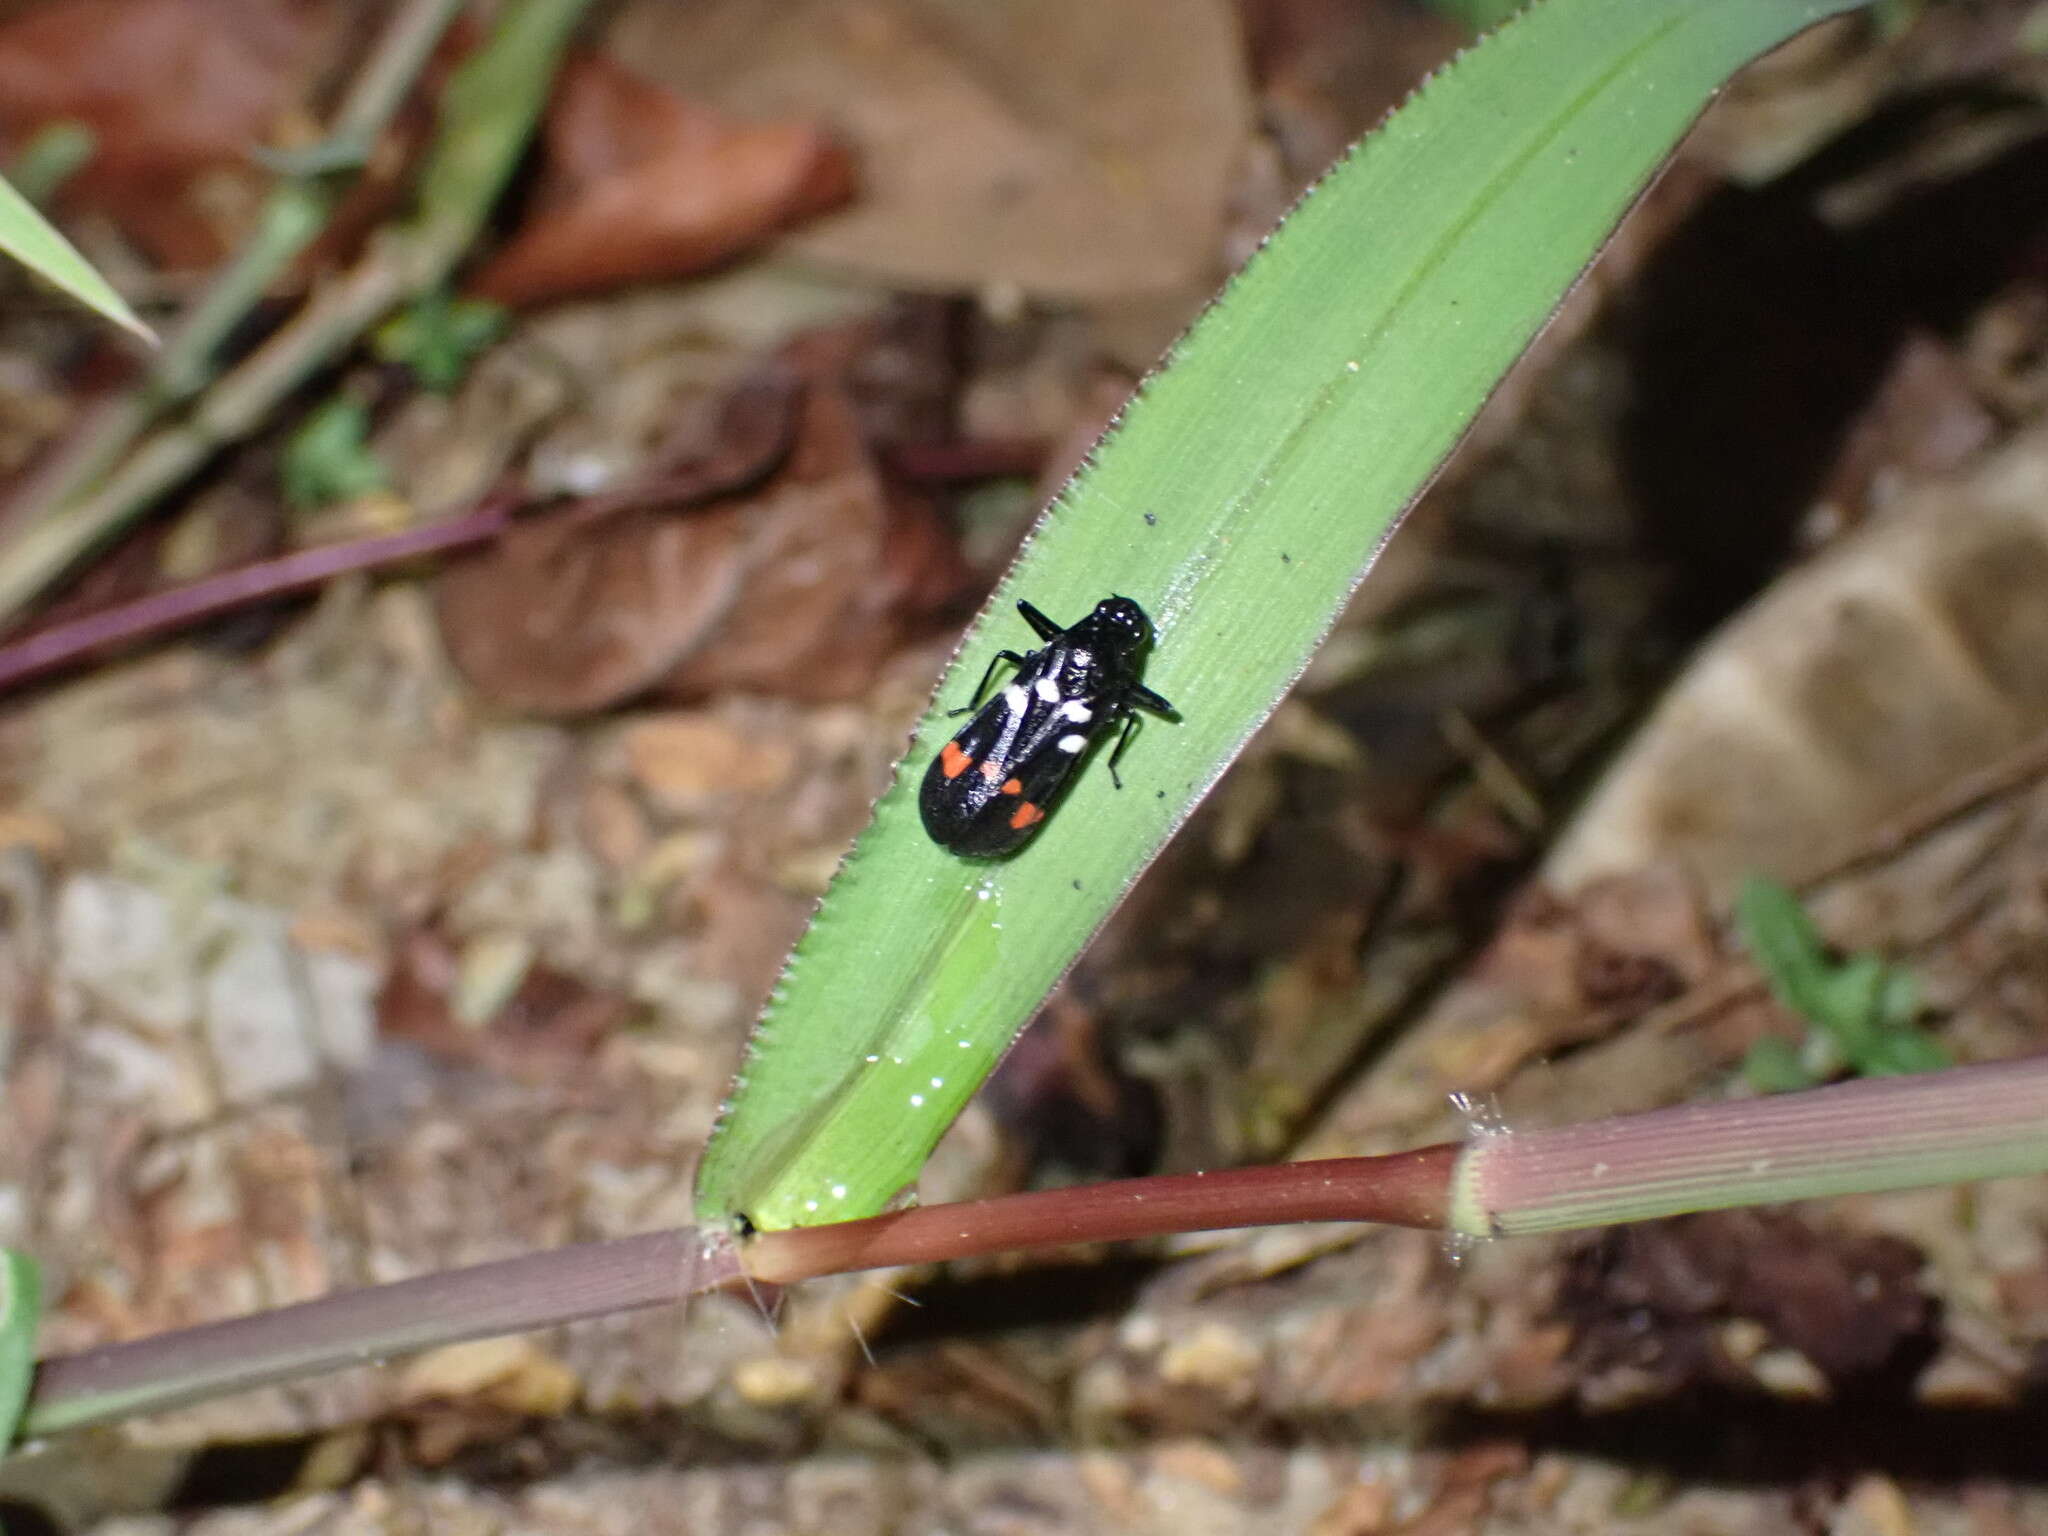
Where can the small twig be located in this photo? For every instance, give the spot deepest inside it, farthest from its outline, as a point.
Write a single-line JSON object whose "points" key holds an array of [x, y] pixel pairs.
{"points": [[291, 218], [1956, 799], [40, 553], [754, 434], [1494, 773], [159, 613]]}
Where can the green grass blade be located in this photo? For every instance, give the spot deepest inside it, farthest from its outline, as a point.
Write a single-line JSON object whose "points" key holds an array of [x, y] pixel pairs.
{"points": [[20, 1309], [31, 240], [1786, 946], [1239, 499]]}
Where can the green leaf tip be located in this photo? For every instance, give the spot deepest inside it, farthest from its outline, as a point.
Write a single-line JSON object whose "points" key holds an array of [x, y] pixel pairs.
{"points": [[34, 242]]}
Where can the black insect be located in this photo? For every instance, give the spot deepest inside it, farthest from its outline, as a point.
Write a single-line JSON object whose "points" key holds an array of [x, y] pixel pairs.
{"points": [[993, 783]]}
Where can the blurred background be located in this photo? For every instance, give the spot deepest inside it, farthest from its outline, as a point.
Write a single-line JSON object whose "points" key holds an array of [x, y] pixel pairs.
{"points": [[415, 917]]}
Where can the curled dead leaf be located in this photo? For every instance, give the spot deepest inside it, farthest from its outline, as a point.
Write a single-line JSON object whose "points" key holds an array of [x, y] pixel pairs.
{"points": [[838, 570], [581, 608], [642, 185], [798, 589]]}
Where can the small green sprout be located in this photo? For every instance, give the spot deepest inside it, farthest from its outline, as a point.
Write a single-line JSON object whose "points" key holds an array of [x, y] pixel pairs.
{"points": [[329, 457], [1862, 1008], [439, 337]]}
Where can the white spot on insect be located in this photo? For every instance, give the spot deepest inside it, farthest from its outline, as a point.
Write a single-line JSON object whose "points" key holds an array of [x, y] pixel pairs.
{"points": [[917, 1101], [1076, 711], [1015, 699], [838, 1191], [1073, 743], [1047, 690], [938, 1082]]}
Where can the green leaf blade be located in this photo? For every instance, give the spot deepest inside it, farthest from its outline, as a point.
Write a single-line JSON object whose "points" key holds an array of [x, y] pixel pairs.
{"points": [[1785, 944], [20, 1310], [34, 242], [1240, 499]]}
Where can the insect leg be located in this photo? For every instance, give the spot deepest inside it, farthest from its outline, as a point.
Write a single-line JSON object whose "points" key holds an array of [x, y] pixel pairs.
{"points": [[981, 688], [1145, 698], [1045, 628], [1130, 725]]}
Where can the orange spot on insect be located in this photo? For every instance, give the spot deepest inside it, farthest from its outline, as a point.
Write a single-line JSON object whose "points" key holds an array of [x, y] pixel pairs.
{"points": [[1026, 815], [952, 761], [1013, 786]]}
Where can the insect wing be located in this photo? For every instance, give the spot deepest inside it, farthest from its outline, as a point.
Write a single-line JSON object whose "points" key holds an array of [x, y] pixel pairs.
{"points": [[1009, 814], [972, 768], [992, 784]]}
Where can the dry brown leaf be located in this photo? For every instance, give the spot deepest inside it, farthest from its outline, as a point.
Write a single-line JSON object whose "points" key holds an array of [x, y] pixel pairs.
{"points": [[641, 185], [582, 608], [800, 589], [561, 619], [176, 94], [838, 568], [1925, 418], [1063, 146]]}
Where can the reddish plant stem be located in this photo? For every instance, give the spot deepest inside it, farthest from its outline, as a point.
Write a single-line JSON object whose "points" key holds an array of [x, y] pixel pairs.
{"points": [[543, 1289], [159, 613], [1408, 1189]]}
